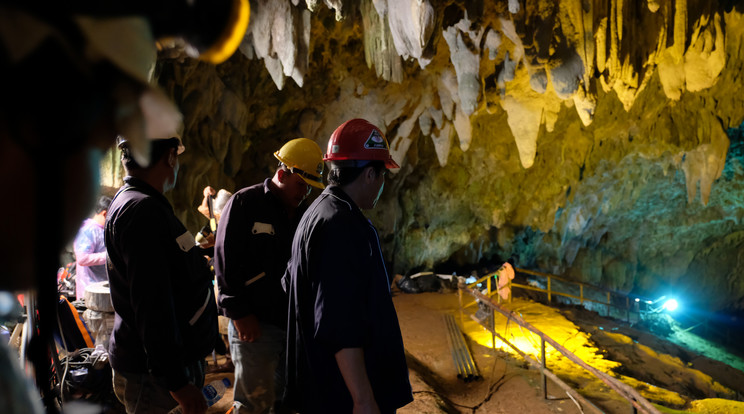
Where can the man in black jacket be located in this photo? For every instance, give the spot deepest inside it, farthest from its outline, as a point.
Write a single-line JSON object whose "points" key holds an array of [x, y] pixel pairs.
{"points": [[344, 350], [251, 252], [161, 289]]}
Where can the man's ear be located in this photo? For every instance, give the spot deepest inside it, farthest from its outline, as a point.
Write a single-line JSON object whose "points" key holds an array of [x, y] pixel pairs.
{"points": [[370, 174], [172, 157], [281, 173]]}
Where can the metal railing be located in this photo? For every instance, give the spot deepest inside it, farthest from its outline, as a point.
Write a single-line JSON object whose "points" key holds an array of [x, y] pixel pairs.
{"points": [[626, 310], [637, 402]]}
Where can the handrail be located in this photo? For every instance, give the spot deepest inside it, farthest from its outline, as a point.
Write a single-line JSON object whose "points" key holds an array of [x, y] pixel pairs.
{"points": [[550, 292], [627, 392]]}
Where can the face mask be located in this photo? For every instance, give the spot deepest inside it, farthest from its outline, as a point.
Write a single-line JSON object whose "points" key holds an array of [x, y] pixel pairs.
{"points": [[172, 184], [379, 193]]}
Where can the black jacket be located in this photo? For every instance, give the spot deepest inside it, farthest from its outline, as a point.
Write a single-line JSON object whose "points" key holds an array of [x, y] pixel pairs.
{"points": [[161, 288], [251, 250], [339, 297]]}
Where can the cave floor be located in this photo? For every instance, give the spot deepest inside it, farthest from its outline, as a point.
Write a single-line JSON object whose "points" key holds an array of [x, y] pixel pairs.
{"points": [[674, 378], [668, 375]]}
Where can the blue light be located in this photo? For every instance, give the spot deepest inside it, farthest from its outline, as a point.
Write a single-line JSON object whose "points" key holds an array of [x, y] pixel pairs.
{"points": [[671, 305]]}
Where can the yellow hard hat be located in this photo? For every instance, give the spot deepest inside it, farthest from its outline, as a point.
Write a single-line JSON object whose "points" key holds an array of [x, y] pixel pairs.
{"points": [[303, 156]]}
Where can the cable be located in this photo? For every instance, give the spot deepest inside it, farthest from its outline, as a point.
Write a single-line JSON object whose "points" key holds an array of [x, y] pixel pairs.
{"points": [[67, 366]]}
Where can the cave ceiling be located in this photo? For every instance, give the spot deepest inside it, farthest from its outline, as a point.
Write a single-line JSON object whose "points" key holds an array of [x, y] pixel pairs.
{"points": [[594, 139]]}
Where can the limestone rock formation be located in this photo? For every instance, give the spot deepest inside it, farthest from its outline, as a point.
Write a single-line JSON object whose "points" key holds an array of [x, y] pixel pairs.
{"points": [[591, 138]]}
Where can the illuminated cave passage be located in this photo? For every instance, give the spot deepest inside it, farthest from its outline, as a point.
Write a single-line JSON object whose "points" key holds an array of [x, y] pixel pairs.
{"points": [[598, 140]]}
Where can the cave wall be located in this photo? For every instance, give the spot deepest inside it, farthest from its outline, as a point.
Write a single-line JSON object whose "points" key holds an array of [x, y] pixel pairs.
{"points": [[594, 139]]}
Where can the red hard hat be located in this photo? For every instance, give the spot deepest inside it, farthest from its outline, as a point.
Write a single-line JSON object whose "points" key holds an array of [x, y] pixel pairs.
{"points": [[357, 139]]}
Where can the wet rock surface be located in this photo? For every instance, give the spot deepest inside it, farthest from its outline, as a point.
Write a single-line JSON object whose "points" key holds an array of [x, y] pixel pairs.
{"points": [[596, 140]]}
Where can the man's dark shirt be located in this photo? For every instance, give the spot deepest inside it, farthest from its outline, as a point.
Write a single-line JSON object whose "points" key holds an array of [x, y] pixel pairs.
{"points": [[339, 297], [161, 288], [251, 253]]}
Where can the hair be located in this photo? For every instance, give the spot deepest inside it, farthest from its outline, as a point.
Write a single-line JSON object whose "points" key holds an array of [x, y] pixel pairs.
{"points": [[222, 197], [158, 148], [344, 172], [103, 204]]}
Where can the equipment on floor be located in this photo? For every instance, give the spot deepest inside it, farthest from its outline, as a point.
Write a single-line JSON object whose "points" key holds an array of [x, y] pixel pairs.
{"points": [[73, 332], [466, 369], [100, 311]]}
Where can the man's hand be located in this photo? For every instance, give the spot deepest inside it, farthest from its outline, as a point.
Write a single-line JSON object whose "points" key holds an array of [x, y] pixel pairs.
{"points": [[248, 328], [369, 407], [190, 399], [206, 241], [204, 207]]}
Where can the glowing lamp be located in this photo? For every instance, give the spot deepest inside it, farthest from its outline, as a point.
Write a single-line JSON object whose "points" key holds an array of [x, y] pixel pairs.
{"points": [[671, 305]]}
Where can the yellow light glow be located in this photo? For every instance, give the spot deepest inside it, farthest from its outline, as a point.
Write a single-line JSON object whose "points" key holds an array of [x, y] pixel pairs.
{"points": [[231, 38], [555, 325]]}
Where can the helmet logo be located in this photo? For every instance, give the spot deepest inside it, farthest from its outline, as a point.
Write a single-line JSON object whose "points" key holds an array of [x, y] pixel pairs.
{"points": [[375, 141], [334, 149]]}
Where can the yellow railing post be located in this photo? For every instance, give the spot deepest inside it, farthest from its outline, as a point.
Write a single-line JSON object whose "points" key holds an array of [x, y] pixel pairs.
{"points": [[510, 291], [545, 367], [591, 297], [492, 319], [608, 303], [627, 309], [459, 299]]}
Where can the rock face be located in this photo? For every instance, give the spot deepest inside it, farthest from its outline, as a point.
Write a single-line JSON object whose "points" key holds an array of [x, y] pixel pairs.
{"points": [[597, 139]]}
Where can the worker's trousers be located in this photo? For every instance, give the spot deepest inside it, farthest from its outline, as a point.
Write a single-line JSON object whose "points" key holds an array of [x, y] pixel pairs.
{"points": [[140, 394], [259, 369]]}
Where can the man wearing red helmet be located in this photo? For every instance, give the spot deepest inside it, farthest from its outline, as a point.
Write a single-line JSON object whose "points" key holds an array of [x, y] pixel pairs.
{"points": [[344, 346]]}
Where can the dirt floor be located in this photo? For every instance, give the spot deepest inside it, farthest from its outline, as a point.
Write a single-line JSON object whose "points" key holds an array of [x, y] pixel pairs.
{"points": [[673, 377], [675, 370], [505, 386]]}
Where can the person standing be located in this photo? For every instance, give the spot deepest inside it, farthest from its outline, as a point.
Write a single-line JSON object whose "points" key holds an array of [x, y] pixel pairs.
{"points": [[251, 252], [90, 250], [166, 317], [344, 347]]}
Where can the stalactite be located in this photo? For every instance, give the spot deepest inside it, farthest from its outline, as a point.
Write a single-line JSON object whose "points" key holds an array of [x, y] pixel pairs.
{"points": [[379, 50], [587, 44], [614, 65], [303, 48], [465, 55], [442, 142], [464, 129], [412, 24], [680, 29], [706, 56], [601, 46], [567, 48], [704, 164]]}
